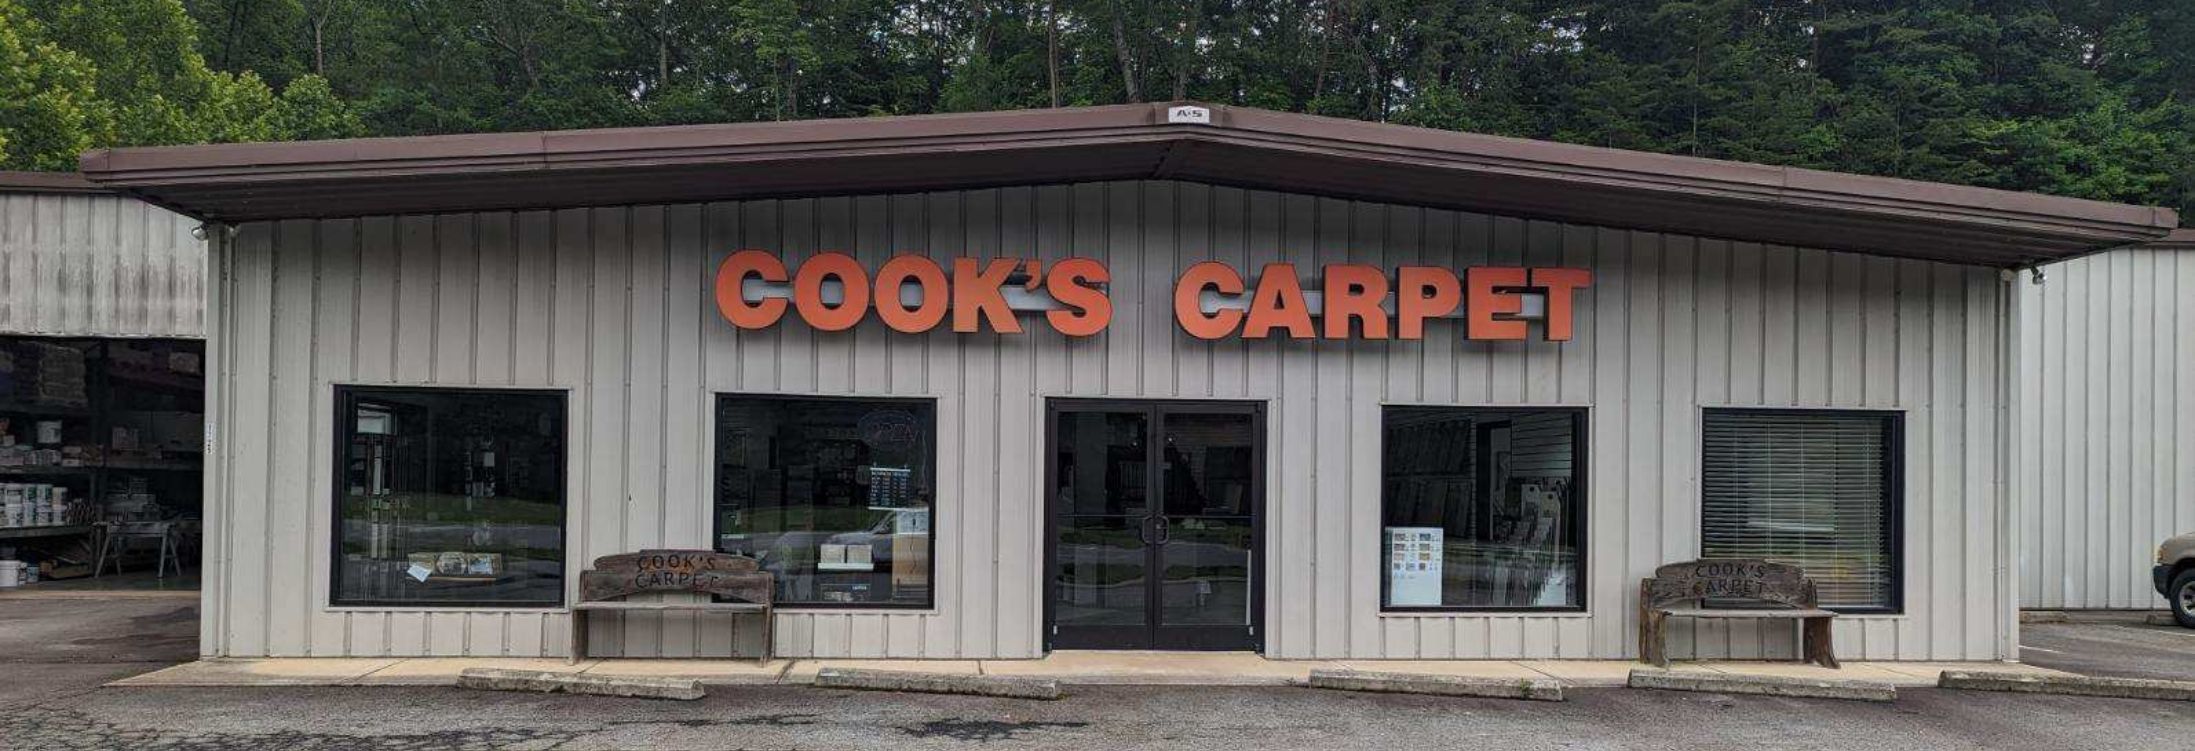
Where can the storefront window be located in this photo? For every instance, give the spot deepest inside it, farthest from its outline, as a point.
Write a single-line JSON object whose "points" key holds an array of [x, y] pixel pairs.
{"points": [[1482, 509], [833, 496], [1811, 489], [449, 497]]}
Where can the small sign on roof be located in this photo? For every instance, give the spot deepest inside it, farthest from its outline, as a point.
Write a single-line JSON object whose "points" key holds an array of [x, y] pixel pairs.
{"points": [[1189, 115]]}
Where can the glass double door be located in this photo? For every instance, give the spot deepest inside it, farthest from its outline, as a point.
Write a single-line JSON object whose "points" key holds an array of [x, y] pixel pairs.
{"points": [[1154, 525]]}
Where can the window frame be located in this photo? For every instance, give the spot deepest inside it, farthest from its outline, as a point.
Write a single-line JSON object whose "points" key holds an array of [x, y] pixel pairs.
{"points": [[1894, 424], [716, 522], [1581, 439], [346, 399]]}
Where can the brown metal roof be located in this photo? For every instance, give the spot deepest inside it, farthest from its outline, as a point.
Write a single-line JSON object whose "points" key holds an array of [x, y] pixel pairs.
{"points": [[1240, 147], [2179, 240], [47, 182]]}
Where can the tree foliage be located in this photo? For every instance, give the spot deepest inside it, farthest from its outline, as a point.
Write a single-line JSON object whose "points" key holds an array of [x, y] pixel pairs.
{"points": [[81, 74], [2091, 98]]}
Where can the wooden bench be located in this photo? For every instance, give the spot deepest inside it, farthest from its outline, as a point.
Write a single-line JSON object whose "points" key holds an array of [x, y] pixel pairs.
{"points": [[1784, 588], [615, 577]]}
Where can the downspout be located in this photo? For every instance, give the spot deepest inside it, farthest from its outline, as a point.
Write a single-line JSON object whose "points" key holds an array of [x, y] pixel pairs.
{"points": [[2009, 433], [213, 620]]}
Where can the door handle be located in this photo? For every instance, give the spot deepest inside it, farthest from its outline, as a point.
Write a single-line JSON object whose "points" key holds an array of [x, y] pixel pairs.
{"points": [[1165, 531]]}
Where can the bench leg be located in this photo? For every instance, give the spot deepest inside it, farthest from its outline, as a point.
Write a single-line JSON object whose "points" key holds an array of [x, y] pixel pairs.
{"points": [[1653, 648], [769, 640], [579, 638], [1820, 649]]}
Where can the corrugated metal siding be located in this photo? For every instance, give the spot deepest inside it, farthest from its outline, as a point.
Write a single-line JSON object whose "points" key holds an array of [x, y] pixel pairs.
{"points": [[612, 304], [2107, 426], [94, 265]]}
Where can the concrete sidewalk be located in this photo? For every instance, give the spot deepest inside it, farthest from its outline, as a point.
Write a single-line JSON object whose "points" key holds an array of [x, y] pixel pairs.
{"points": [[1083, 668]]}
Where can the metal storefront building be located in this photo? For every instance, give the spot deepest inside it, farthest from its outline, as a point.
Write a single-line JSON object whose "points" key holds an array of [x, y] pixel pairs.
{"points": [[581, 268], [2107, 451]]}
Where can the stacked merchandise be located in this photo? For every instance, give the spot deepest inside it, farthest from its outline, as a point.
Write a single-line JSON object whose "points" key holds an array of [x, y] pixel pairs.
{"points": [[96, 431], [15, 572], [160, 426], [47, 374], [157, 361], [45, 447], [33, 504], [48, 379], [130, 499]]}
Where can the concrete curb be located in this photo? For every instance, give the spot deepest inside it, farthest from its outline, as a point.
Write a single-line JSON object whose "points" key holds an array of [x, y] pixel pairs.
{"points": [[938, 683], [1535, 689], [1074, 679], [541, 681], [2070, 685], [100, 594], [1763, 685], [2151, 617]]}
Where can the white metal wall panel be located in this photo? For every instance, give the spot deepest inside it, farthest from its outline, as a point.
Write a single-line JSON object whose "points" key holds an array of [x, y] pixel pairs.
{"points": [[98, 265], [2107, 426], [613, 304]]}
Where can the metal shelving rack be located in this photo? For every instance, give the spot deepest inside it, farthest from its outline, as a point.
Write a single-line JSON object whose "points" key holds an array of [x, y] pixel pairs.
{"points": [[92, 479]]}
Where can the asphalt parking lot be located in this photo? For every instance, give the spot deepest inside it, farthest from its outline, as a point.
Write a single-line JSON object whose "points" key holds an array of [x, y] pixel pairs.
{"points": [[56, 657], [2119, 645], [58, 648], [779, 717]]}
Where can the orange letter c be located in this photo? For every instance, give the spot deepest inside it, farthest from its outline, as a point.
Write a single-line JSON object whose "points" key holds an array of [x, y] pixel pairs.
{"points": [[733, 273], [1190, 314]]}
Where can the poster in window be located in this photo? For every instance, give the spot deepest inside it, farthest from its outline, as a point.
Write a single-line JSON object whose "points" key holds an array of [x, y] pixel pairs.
{"points": [[1414, 566]]}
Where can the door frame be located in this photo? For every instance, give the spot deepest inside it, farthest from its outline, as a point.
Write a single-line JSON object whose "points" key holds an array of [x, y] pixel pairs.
{"points": [[1155, 408]]}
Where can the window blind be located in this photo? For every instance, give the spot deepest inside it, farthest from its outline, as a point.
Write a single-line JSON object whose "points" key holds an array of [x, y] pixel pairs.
{"points": [[1807, 489]]}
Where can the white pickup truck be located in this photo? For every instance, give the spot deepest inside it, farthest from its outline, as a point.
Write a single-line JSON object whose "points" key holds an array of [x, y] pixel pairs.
{"points": [[2175, 574]]}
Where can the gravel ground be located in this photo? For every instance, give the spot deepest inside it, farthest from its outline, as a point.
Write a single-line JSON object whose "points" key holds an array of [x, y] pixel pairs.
{"points": [[56, 653]]}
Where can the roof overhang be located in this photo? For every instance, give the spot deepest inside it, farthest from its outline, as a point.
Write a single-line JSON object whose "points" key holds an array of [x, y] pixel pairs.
{"points": [[1239, 147], [2179, 240], [48, 182]]}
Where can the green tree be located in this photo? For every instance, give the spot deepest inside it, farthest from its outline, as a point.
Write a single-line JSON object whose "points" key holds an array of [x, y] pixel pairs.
{"points": [[309, 108], [93, 73], [2077, 97], [47, 97]]}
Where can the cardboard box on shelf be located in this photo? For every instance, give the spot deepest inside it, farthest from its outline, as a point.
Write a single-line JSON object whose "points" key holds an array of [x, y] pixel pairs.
{"points": [[54, 569], [174, 431]]}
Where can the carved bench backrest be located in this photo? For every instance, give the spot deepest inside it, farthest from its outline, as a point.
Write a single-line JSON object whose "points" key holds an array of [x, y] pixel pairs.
{"points": [[1729, 578], [700, 571]]}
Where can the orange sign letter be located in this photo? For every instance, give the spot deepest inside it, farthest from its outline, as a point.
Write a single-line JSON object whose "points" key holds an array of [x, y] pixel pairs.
{"points": [[1355, 291], [808, 291], [732, 274], [976, 295], [1279, 304], [1075, 282], [1187, 291], [927, 276], [1484, 302], [1423, 292], [1560, 285]]}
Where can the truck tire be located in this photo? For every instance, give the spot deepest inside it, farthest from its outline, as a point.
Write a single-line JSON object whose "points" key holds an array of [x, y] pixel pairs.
{"points": [[2181, 595]]}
